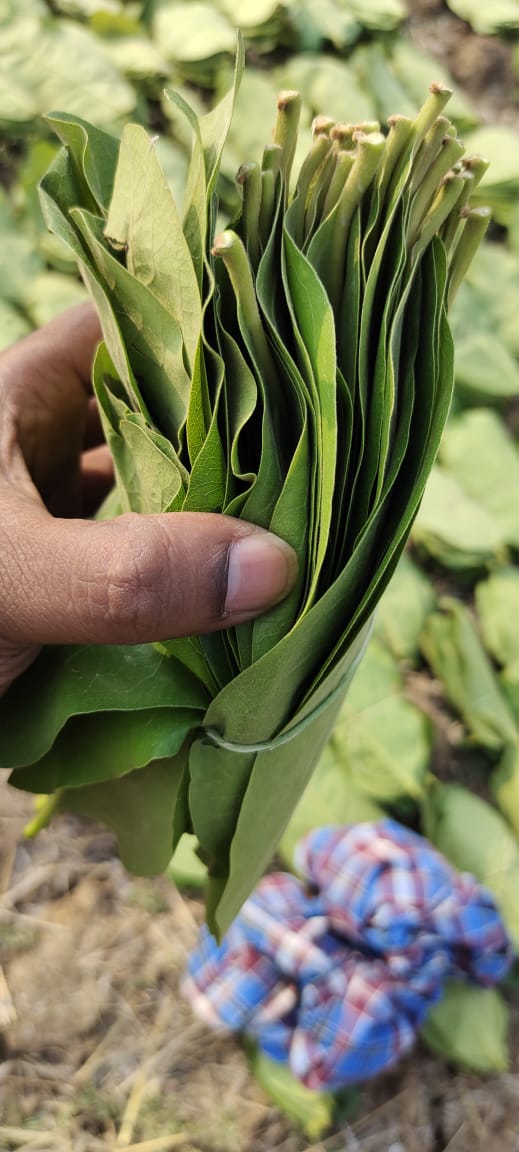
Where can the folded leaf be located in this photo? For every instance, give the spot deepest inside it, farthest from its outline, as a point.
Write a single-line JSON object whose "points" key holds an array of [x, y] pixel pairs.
{"points": [[453, 649], [477, 839], [295, 370], [468, 1027]]}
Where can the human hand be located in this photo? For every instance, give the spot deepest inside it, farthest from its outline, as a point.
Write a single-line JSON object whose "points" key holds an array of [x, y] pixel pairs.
{"points": [[129, 580]]}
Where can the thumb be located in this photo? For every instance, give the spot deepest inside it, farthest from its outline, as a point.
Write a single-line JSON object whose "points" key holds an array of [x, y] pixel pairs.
{"points": [[136, 578]]}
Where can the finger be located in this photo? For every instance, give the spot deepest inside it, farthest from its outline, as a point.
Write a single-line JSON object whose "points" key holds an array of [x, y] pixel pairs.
{"points": [[85, 488], [65, 345], [135, 578], [94, 434], [44, 387], [97, 478]]}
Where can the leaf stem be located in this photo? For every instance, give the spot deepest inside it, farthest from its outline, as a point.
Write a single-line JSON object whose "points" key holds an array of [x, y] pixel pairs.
{"points": [[477, 165], [370, 149], [442, 205], [439, 96], [344, 162], [397, 139], [317, 192], [268, 206], [455, 220], [228, 247], [450, 151], [46, 807], [476, 224], [248, 179], [428, 151], [312, 163], [289, 106]]}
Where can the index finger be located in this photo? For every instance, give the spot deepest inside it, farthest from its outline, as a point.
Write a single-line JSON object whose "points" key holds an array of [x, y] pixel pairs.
{"points": [[44, 389], [64, 346]]}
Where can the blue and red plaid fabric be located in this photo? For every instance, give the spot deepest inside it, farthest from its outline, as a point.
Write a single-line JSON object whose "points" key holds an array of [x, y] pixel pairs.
{"points": [[335, 976]]}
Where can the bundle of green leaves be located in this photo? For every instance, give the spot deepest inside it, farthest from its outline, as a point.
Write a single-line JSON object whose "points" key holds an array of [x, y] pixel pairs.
{"points": [[296, 371]]}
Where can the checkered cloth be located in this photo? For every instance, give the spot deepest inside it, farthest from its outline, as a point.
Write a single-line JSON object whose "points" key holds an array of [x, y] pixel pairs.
{"points": [[335, 976]]}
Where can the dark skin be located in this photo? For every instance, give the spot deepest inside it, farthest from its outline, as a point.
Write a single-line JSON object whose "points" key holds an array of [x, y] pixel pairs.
{"points": [[68, 579]]}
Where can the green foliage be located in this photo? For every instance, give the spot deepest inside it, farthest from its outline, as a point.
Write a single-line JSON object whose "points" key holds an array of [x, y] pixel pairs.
{"points": [[480, 453], [500, 16], [307, 1109], [453, 528], [500, 184], [484, 324], [497, 603], [454, 652], [404, 609], [109, 61], [476, 839], [380, 737], [469, 1027]]}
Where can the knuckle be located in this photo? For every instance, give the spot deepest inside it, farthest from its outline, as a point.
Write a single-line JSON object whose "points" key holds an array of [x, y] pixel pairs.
{"points": [[136, 585]]}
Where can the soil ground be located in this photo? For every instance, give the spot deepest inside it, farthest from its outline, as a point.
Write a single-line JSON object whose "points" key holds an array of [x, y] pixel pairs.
{"points": [[98, 1049], [102, 1053]]}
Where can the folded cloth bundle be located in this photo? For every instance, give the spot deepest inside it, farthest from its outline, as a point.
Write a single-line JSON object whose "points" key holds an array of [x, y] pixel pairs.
{"points": [[334, 974]]}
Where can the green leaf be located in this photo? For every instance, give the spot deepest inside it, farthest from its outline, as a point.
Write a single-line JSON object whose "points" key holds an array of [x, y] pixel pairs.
{"points": [[248, 132], [106, 745], [86, 8], [489, 298], [329, 85], [143, 220], [13, 324], [308, 1110], [454, 651], [500, 16], [379, 15], [307, 393], [455, 529], [411, 65], [314, 319], [477, 839], [93, 154], [208, 137], [185, 867], [333, 795], [58, 64], [504, 784], [140, 809], [469, 1027], [153, 334], [380, 738], [500, 184], [479, 452], [403, 610], [51, 293], [497, 603], [254, 793], [19, 260], [74, 681], [191, 31], [134, 56], [485, 369], [509, 681]]}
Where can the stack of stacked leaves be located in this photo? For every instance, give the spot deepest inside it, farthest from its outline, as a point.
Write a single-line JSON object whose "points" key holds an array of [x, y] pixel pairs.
{"points": [[295, 371]]}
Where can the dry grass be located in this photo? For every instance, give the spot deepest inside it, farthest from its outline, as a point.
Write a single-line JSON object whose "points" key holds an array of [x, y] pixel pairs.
{"points": [[101, 1053]]}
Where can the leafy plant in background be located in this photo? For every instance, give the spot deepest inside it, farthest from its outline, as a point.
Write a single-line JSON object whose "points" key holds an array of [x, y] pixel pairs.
{"points": [[457, 537], [487, 19]]}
